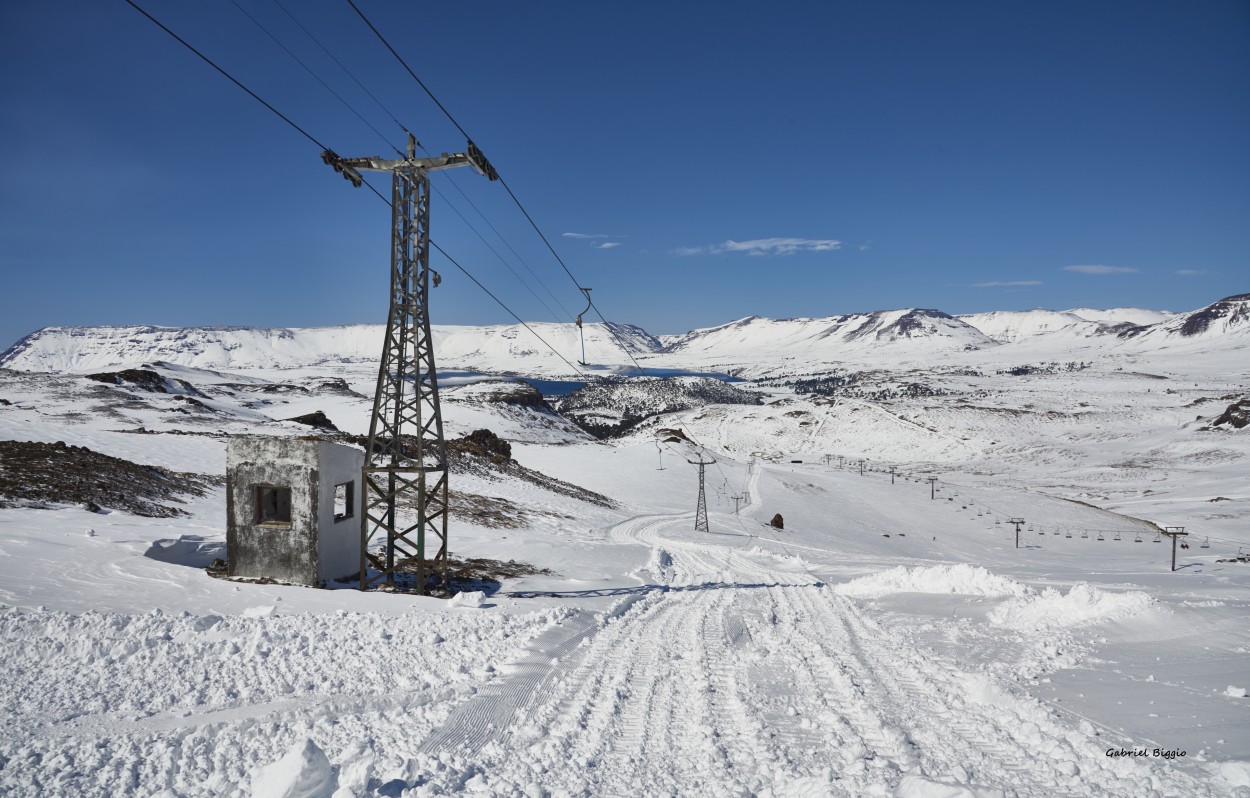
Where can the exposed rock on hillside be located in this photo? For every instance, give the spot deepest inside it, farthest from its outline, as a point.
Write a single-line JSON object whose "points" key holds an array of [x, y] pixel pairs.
{"points": [[1233, 310], [145, 380], [612, 407], [317, 420], [50, 474], [1236, 416]]}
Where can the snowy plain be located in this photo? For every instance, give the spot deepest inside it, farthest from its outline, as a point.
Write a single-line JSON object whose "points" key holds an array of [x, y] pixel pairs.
{"points": [[890, 640]]}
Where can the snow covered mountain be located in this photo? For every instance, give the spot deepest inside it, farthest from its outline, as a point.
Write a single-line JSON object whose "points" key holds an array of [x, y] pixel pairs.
{"points": [[1229, 316], [751, 346], [825, 340], [495, 348], [1113, 316], [1007, 326]]}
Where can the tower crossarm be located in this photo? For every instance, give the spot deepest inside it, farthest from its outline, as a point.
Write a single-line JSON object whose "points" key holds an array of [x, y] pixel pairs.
{"points": [[352, 167]]}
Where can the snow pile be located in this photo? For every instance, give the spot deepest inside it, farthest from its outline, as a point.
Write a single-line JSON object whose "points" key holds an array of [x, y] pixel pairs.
{"points": [[303, 773], [1235, 692], [1236, 773], [914, 786], [961, 578], [190, 550], [1081, 605], [469, 599]]}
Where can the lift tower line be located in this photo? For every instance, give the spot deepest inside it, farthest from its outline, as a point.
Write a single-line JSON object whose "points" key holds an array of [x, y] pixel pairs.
{"points": [[1175, 532], [406, 455], [1017, 522], [700, 511]]}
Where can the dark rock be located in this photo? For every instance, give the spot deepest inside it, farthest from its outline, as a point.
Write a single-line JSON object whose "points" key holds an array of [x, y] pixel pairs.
{"points": [[145, 380], [491, 442], [778, 522], [317, 420], [45, 475], [1237, 415]]}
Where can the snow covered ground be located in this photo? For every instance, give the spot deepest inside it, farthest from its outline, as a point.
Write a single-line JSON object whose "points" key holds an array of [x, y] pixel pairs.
{"points": [[889, 640]]}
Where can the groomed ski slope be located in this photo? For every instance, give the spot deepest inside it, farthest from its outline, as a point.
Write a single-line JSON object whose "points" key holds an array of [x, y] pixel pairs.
{"points": [[733, 674], [824, 659]]}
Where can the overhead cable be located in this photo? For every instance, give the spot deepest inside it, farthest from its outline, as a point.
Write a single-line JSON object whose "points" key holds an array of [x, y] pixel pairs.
{"points": [[502, 181], [228, 76], [323, 147]]}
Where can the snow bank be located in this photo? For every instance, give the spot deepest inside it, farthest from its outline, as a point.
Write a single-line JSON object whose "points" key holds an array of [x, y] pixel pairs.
{"points": [[190, 550], [303, 773], [913, 786], [963, 579], [1081, 605]]}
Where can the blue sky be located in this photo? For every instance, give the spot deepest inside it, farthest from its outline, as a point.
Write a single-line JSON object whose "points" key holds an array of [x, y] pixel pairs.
{"points": [[711, 161]]}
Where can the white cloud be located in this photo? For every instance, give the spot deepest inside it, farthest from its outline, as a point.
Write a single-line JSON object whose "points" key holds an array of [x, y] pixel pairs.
{"points": [[585, 235], [765, 246], [1190, 272], [1001, 283], [608, 245], [1098, 268]]}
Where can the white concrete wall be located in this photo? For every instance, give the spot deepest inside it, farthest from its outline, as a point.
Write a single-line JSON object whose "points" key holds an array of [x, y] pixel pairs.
{"points": [[285, 552], [338, 544]]}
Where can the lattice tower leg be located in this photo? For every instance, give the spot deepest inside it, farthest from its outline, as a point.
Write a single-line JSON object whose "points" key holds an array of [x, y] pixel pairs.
{"points": [[700, 513], [405, 470]]}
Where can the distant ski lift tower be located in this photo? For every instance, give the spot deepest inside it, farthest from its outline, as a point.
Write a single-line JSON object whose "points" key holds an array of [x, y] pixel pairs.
{"points": [[700, 512], [406, 456]]}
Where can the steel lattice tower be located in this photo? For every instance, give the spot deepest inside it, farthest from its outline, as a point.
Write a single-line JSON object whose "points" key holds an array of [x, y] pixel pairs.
{"points": [[700, 512], [405, 470]]}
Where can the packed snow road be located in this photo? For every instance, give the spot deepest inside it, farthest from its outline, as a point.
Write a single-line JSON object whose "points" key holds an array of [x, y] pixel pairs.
{"points": [[733, 672]]}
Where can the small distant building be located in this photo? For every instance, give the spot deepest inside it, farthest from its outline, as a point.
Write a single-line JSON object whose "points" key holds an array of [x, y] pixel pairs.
{"points": [[292, 509]]}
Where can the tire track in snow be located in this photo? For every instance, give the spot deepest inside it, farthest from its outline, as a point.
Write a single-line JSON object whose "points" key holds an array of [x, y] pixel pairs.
{"points": [[741, 677]]}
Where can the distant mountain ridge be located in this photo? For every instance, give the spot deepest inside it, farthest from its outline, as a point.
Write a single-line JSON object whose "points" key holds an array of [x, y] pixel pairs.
{"points": [[755, 343]]}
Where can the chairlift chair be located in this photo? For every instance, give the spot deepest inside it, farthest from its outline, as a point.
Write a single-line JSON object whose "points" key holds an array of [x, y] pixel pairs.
{"points": [[1117, 535], [580, 333], [1206, 543], [1056, 532], [1068, 534], [1158, 537], [1100, 537], [1137, 539], [1084, 533], [1040, 531]]}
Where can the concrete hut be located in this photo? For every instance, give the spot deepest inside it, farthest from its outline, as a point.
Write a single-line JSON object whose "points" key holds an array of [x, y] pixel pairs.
{"points": [[293, 509]]}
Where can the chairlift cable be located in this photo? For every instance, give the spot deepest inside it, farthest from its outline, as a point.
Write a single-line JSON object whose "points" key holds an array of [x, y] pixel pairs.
{"points": [[516, 200], [314, 75], [323, 147], [387, 141], [227, 75]]}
